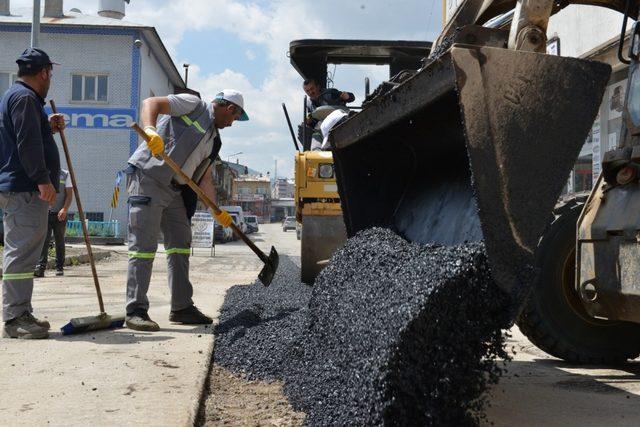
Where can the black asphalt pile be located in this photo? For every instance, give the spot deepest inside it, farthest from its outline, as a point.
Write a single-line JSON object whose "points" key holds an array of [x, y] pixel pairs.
{"points": [[394, 333], [259, 325]]}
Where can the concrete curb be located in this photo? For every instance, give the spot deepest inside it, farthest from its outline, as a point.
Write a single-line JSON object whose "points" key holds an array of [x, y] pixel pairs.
{"points": [[77, 259], [97, 240], [201, 386], [81, 259]]}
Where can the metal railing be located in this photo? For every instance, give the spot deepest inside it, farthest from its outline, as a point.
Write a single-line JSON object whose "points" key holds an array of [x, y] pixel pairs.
{"points": [[96, 228]]}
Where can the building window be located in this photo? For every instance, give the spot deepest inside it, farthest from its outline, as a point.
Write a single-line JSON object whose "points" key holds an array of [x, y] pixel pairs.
{"points": [[6, 80], [89, 87]]}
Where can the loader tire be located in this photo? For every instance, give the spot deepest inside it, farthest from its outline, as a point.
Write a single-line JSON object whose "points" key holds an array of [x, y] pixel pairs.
{"points": [[553, 318]]}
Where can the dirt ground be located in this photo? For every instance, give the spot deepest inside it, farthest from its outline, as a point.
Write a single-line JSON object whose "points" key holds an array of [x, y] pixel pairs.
{"points": [[234, 401]]}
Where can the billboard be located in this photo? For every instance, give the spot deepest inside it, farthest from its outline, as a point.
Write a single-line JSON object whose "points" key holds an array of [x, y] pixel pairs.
{"points": [[97, 118]]}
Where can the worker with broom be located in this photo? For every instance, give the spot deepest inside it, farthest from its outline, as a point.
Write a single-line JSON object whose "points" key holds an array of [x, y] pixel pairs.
{"points": [[160, 201], [29, 165]]}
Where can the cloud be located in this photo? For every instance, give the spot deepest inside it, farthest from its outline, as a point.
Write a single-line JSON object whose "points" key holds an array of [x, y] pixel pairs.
{"points": [[270, 26], [265, 139]]}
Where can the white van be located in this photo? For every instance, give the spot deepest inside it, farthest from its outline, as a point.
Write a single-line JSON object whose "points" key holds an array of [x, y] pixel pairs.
{"points": [[237, 211]]}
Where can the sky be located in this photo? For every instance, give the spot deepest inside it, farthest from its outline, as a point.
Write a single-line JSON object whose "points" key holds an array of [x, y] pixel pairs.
{"points": [[243, 45]]}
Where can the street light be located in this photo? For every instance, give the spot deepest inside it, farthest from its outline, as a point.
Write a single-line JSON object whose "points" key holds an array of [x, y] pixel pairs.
{"points": [[234, 154], [186, 74]]}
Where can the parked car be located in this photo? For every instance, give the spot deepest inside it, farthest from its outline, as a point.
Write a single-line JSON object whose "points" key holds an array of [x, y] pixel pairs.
{"points": [[236, 221], [289, 223], [239, 220], [222, 234], [252, 223]]}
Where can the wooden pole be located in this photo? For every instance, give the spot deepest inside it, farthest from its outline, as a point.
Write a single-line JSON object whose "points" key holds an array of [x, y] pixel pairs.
{"points": [[85, 231]]}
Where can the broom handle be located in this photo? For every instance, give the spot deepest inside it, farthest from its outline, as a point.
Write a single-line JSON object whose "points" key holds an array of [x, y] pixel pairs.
{"points": [[85, 232]]}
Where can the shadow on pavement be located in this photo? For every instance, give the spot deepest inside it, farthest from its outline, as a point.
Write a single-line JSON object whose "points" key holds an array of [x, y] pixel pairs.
{"points": [[128, 336], [110, 337], [551, 392]]}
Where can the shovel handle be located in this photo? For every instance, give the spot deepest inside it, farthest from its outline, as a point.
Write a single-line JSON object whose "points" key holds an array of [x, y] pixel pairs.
{"points": [[206, 200], [85, 232]]}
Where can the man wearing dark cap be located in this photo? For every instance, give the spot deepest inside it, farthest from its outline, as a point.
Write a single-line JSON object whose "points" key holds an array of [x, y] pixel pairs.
{"points": [[29, 165]]}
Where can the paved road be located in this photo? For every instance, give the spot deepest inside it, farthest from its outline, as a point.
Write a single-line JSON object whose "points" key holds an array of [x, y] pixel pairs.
{"points": [[122, 377], [540, 390]]}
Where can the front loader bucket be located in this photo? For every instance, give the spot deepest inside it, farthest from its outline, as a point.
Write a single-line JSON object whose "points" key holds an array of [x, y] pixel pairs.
{"points": [[476, 146]]}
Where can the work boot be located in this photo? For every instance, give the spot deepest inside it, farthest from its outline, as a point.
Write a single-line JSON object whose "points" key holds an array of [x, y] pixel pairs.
{"points": [[59, 272], [38, 272], [25, 327], [42, 323], [140, 321], [190, 316]]}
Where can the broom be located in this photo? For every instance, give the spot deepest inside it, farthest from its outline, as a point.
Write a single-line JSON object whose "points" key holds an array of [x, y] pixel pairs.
{"points": [[103, 320]]}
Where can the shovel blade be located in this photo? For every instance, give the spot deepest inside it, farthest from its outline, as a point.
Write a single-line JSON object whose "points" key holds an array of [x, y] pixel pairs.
{"points": [[270, 267]]}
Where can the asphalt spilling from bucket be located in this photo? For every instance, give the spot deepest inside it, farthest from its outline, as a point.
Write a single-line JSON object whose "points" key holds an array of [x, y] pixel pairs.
{"points": [[392, 333]]}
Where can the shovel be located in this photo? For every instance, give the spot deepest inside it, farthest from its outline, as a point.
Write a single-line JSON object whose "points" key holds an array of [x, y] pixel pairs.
{"points": [[102, 320], [270, 262]]}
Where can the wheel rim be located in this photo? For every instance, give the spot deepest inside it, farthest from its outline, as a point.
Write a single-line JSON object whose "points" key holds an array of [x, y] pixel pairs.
{"points": [[571, 295]]}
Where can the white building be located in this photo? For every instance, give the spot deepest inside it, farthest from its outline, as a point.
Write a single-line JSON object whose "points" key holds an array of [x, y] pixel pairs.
{"points": [[594, 33], [108, 66], [284, 188]]}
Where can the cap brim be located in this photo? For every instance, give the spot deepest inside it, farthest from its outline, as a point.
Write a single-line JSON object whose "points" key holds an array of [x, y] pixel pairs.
{"points": [[243, 117]]}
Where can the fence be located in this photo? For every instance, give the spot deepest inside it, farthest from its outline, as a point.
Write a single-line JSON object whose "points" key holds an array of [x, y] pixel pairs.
{"points": [[96, 228]]}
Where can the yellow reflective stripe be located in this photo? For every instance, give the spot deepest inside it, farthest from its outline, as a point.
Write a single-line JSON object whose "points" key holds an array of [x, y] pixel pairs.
{"points": [[143, 255], [17, 276], [63, 182], [114, 198], [190, 122], [185, 251], [200, 129]]}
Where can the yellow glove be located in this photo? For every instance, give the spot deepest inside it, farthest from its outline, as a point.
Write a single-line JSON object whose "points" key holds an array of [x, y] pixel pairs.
{"points": [[223, 218], [155, 143]]}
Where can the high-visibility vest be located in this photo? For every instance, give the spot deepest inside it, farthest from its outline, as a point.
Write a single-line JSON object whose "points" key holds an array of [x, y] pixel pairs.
{"points": [[60, 196], [182, 136]]}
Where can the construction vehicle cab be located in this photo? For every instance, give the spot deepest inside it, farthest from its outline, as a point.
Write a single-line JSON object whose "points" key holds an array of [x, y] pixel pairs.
{"points": [[446, 156], [316, 194]]}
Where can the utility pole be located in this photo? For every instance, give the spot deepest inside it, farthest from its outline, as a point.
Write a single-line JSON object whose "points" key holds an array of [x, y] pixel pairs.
{"points": [[35, 24]]}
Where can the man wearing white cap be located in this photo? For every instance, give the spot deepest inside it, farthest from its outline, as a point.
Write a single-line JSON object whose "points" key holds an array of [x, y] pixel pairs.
{"points": [[157, 196]]}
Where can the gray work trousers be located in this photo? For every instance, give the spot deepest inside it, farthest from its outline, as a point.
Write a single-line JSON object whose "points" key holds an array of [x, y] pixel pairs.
{"points": [[25, 228], [154, 207], [57, 228]]}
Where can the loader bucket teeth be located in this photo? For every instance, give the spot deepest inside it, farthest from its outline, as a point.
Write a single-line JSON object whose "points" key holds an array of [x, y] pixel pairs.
{"points": [[477, 146]]}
